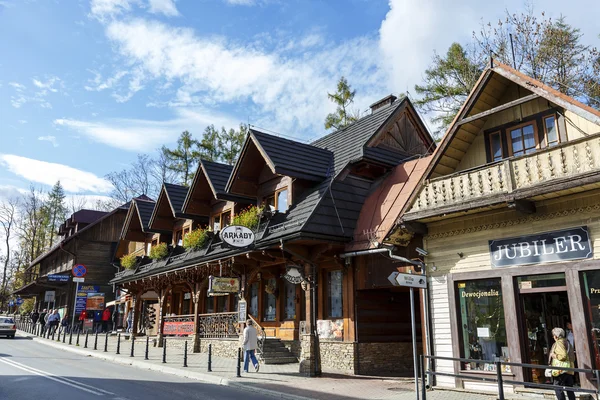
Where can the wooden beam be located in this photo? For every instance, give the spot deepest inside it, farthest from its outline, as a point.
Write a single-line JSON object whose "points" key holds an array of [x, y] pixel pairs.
{"points": [[523, 206], [498, 109], [414, 226]]}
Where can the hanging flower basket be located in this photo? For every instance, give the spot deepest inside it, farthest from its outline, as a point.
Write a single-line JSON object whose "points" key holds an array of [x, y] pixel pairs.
{"points": [[196, 239], [159, 251], [128, 261], [249, 217]]}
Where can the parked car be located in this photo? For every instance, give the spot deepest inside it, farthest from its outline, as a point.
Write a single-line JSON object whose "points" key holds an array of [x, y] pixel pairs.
{"points": [[7, 327]]}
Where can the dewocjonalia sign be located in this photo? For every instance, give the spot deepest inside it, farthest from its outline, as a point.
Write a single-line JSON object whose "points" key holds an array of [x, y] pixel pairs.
{"points": [[237, 236], [223, 285], [563, 245]]}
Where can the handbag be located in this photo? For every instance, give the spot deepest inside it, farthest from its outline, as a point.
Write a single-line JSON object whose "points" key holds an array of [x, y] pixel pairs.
{"points": [[553, 373]]}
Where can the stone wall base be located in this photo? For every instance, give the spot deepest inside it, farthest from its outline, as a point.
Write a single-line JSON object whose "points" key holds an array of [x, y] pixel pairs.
{"points": [[386, 359], [226, 348]]}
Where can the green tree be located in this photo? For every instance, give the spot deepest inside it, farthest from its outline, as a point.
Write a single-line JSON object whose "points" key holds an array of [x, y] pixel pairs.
{"points": [[184, 158], [231, 143], [448, 82], [57, 209], [210, 145], [343, 99]]}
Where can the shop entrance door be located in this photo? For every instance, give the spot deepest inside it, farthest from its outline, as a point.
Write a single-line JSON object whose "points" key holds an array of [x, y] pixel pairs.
{"points": [[544, 306]]}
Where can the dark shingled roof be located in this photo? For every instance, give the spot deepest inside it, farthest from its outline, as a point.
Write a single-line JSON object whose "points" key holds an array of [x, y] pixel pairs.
{"points": [[176, 194], [348, 144], [145, 209], [293, 158], [217, 174]]}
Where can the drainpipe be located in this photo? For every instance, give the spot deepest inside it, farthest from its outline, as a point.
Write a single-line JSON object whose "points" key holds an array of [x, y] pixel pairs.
{"points": [[412, 262]]}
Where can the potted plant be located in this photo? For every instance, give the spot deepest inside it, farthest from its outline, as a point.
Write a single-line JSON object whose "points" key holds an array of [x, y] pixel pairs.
{"points": [[159, 251], [196, 239], [249, 217], [128, 261]]}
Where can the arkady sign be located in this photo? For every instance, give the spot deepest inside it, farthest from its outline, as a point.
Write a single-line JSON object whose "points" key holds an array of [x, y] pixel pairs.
{"points": [[563, 245], [237, 236]]}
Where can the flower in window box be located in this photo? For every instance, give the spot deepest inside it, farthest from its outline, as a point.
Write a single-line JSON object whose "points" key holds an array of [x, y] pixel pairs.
{"points": [[270, 288]]}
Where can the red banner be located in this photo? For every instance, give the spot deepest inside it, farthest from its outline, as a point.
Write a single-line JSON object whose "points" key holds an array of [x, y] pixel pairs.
{"points": [[178, 328]]}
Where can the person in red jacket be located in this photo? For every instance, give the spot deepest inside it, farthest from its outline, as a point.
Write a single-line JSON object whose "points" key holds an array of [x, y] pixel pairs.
{"points": [[105, 318], [82, 318]]}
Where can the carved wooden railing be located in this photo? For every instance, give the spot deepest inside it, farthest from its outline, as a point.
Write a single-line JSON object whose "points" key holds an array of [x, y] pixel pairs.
{"points": [[262, 336], [218, 325], [569, 160]]}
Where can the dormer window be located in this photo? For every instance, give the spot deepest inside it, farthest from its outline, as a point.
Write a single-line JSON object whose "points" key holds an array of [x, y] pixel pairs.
{"points": [[278, 201], [551, 131], [221, 220], [522, 139]]}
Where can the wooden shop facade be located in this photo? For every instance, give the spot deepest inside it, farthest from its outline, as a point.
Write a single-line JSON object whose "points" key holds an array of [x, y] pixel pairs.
{"points": [[509, 203], [302, 203]]}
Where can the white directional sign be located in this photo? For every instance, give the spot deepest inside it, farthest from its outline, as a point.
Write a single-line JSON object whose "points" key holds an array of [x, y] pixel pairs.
{"points": [[49, 296], [410, 280], [392, 278], [78, 280]]}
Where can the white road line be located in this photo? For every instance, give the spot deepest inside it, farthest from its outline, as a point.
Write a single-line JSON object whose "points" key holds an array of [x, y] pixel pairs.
{"points": [[65, 381]]}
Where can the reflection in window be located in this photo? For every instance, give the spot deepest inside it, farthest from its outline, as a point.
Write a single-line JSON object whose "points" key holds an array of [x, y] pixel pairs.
{"points": [[481, 321], [522, 140], [253, 306], [290, 300], [496, 146], [282, 201], [217, 223], [222, 304], [551, 131], [270, 301], [591, 284], [225, 219], [210, 305], [270, 203], [334, 294]]}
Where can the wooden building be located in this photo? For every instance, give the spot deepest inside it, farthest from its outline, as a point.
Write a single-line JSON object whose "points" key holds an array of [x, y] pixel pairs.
{"points": [[307, 199], [88, 237], [509, 203]]}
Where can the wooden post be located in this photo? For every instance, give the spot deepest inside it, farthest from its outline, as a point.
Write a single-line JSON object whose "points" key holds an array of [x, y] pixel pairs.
{"points": [[196, 299], [137, 310], [161, 312]]}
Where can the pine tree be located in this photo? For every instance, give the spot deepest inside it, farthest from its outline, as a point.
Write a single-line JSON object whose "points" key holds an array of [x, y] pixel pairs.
{"points": [[343, 98], [210, 144], [231, 143], [184, 158], [56, 209]]}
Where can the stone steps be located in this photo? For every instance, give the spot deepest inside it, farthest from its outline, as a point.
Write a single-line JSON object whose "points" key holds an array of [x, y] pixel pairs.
{"points": [[275, 352]]}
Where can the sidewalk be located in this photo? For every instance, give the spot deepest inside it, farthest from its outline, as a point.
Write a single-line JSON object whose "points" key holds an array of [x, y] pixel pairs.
{"points": [[280, 381]]}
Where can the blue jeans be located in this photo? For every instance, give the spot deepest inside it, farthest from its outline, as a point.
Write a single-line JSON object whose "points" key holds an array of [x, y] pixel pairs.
{"points": [[249, 354]]}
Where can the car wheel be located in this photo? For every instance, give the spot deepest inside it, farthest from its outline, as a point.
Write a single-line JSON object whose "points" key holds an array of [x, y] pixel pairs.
{"points": [[12, 336]]}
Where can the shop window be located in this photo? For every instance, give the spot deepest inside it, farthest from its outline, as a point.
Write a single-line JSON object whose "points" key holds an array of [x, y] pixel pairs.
{"points": [[551, 131], [253, 306], [187, 299], [481, 323], [591, 284], [222, 304], [210, 305], [221, 220], [290, 300], [496, 146], [270, 300], [522, 139], [334, 294], [278, 201]]}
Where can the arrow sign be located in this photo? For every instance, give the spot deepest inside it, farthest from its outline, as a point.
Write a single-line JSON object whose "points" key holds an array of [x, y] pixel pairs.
{"points": [[410, 280], [392, 278]]}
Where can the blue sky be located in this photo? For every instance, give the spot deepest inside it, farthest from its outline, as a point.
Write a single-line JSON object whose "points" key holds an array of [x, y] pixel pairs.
{"points": [[86, 85]]}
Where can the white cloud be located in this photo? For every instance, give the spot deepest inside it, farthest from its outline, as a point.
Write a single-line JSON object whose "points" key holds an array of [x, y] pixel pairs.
{"points": [[49, 138], [145, 135], [102, 9], [241, 2], [22, 121], [18, 87], [48, 85], [72, 179], [166, 7], [22, 96]]}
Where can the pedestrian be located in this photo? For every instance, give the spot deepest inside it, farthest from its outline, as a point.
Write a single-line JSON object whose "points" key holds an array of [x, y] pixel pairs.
{"points": [[82, 317], [53, 321], [250, 345], [130, 320], [42, 320], [64, 324], [34, 316], [561, 355], [569, 334], [105, 318], [47, 320], [115, 319]]}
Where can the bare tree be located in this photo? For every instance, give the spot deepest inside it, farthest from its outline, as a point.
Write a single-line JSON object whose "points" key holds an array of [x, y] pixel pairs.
{"points": [[8, 220], [77, 203]]}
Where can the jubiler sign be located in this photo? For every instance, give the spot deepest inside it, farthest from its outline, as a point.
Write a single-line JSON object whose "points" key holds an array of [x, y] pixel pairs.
{"points": [[568, 244]]}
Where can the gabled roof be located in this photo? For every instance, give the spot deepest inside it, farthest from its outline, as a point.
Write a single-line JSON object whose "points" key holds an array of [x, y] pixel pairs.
{"points": [[176, 195], [385, 205], [351, 143], [217, 174], [140, 208], [286, 157], [171, 198]]}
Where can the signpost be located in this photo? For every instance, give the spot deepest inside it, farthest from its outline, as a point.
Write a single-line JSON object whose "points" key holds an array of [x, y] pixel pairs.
{"points": [[411, 281], [78, 271]]}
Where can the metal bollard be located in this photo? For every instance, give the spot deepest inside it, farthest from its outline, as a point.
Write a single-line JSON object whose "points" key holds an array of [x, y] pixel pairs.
{"points": [[185, 355], [500, 383], [210, 358], [64, 335], [132, 344], [164, 351], [96, 341], [58, 340], [53, 333], [106, 342], [119, 343], [239, 363], [423, 379], [77, 341], [71, 338], [147, 342], [86, 340]]}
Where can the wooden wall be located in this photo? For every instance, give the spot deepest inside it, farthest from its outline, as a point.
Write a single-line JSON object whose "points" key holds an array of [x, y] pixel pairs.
{"points": [[578, 127]]}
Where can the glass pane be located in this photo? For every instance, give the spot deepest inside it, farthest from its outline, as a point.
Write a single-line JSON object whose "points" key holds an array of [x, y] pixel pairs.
{"points": [[282, 203], [270, 203], [222, 304], [551, 132], [334, 294], [516, 142], [270, 301], [225, 219], [496, 146], [481, 316], [290, 300], [253, 309], [537, 281], [529, 138], [210, 305], [217, 223], [591, 282]]}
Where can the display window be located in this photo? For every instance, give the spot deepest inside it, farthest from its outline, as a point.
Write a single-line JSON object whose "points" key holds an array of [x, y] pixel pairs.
{"points": [[591, 289], [481, 323]]}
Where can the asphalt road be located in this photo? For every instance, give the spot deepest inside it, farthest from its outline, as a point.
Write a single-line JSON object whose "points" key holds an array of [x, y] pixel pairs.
{"points": [[29, 370]]}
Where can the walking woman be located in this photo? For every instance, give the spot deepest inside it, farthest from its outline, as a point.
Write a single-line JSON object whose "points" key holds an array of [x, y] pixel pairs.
{"points": [[561, 355]]}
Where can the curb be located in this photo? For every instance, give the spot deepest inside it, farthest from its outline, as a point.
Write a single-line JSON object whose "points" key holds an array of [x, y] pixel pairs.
{"points": [[198, 376]]}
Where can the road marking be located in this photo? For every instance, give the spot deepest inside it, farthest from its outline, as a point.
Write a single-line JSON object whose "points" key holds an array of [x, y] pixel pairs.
{"points": [[65, 381]]}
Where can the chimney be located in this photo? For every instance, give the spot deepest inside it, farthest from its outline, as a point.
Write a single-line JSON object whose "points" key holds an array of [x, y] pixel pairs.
{"points": [[386, 101]]}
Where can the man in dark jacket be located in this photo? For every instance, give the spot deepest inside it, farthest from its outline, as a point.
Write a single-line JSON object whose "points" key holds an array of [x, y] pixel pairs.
{"points": [[42, 320], [34, 316]]}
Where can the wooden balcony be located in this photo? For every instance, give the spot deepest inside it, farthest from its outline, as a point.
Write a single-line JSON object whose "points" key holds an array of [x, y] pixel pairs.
{"points": [[557, 170]]}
